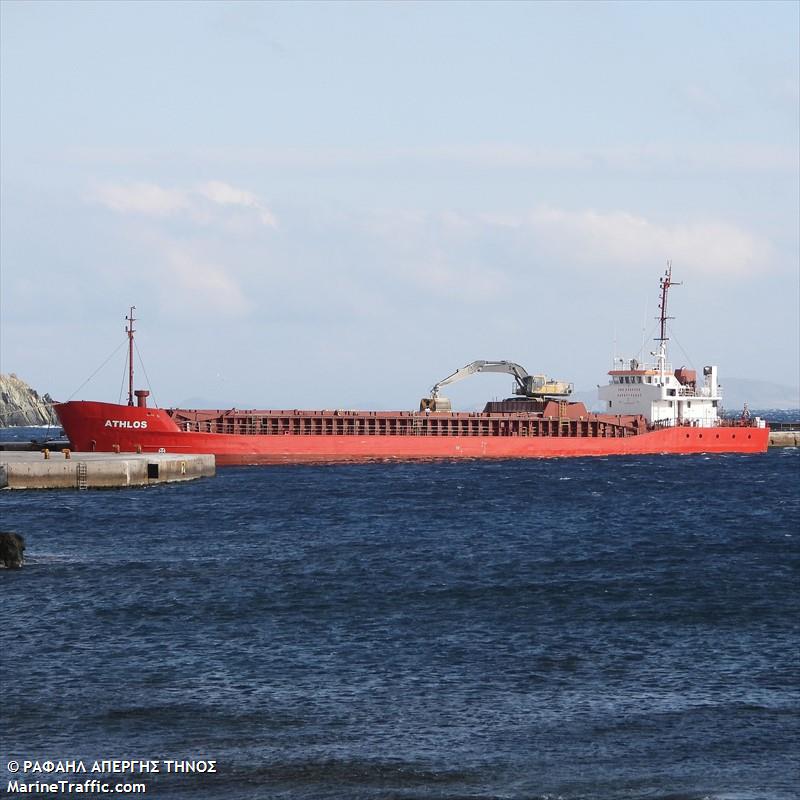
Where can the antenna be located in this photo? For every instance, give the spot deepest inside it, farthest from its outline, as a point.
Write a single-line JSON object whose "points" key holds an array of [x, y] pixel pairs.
{"points": [[665, 282], [614, 353], [130, 331], [644, 329]]}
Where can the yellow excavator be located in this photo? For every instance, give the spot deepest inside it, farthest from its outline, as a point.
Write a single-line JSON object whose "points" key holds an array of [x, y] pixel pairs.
{"points": [[537, 387]]}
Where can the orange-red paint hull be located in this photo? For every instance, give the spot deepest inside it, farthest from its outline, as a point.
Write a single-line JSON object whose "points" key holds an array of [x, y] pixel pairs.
{"points": [[106, 427]]}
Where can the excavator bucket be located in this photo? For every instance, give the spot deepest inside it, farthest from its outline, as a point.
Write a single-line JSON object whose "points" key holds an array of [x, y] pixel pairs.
{"points": [[435, 404]]}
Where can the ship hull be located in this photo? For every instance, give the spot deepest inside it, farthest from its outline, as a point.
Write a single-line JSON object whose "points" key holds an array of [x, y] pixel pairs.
{"points": [[106, 427]]}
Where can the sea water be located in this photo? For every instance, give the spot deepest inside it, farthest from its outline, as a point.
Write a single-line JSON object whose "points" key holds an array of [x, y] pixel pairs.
{"points": [[573, 628]]}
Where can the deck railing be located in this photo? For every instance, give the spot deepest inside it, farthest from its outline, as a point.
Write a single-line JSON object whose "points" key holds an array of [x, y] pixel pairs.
{"points": [[407, 425]]}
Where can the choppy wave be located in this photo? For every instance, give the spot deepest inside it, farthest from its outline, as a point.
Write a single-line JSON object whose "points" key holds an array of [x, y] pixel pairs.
{"points": [[589, 629]]}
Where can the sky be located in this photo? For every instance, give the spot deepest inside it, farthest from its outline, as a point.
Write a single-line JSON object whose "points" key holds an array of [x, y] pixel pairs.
{"points": [[335, 205]]}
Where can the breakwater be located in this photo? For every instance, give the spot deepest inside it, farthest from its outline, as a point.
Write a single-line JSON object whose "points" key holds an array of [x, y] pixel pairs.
{"points": [[68, 470], [784, 434]]}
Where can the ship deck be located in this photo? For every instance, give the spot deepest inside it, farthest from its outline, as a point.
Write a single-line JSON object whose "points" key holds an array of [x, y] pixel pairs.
{"points": [[403, 423]]}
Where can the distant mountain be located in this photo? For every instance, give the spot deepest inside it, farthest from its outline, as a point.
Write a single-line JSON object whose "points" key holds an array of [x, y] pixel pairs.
{"points": [[758, 394], [22, 405]]}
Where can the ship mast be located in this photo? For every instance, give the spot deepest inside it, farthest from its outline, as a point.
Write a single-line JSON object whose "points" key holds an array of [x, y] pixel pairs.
{"points": [[661, 353], [130, 331]]}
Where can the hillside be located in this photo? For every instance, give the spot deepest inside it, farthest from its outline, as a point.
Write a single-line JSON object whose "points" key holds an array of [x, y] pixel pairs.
{"points": [[758, 394], [22, 405]]}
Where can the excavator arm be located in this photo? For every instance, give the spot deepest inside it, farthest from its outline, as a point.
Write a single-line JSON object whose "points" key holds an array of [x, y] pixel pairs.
{"points": [[508, 367], [533, 386]]}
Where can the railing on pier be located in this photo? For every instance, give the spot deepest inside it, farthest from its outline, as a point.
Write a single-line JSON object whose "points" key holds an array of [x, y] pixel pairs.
{"points": [[784, 426]]}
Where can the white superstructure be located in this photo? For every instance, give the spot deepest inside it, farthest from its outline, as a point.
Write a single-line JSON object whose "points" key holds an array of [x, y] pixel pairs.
{"points": [[661, 394]]}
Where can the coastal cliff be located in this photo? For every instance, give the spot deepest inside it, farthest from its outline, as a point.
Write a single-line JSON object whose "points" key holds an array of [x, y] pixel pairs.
{"points": [[22, 405]]}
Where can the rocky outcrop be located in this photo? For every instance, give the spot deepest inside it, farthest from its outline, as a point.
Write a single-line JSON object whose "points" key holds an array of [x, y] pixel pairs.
{"points": [[12, 550], [22, 405]]}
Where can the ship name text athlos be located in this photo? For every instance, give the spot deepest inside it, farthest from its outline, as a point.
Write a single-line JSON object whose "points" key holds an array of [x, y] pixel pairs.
{"points": [[125, 423]]}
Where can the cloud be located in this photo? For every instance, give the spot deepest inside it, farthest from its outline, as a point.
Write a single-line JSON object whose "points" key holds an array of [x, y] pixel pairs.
{"points": [[199, 241], [675, 158], [226, 195], [626, 239], [197, 202], [194, 281], [702, 100], [141, 198]]}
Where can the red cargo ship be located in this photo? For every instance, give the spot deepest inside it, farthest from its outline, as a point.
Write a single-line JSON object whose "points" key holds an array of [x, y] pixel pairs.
{"points": [[649, 409]]}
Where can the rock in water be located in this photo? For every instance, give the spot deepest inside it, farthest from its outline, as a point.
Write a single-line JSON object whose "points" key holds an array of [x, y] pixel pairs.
{"points": [[12, 550], [22, 405]]}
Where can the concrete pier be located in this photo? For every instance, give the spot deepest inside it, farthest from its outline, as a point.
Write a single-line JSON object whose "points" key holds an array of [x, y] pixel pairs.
{"points": [[25, 470], [784, 438]]}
